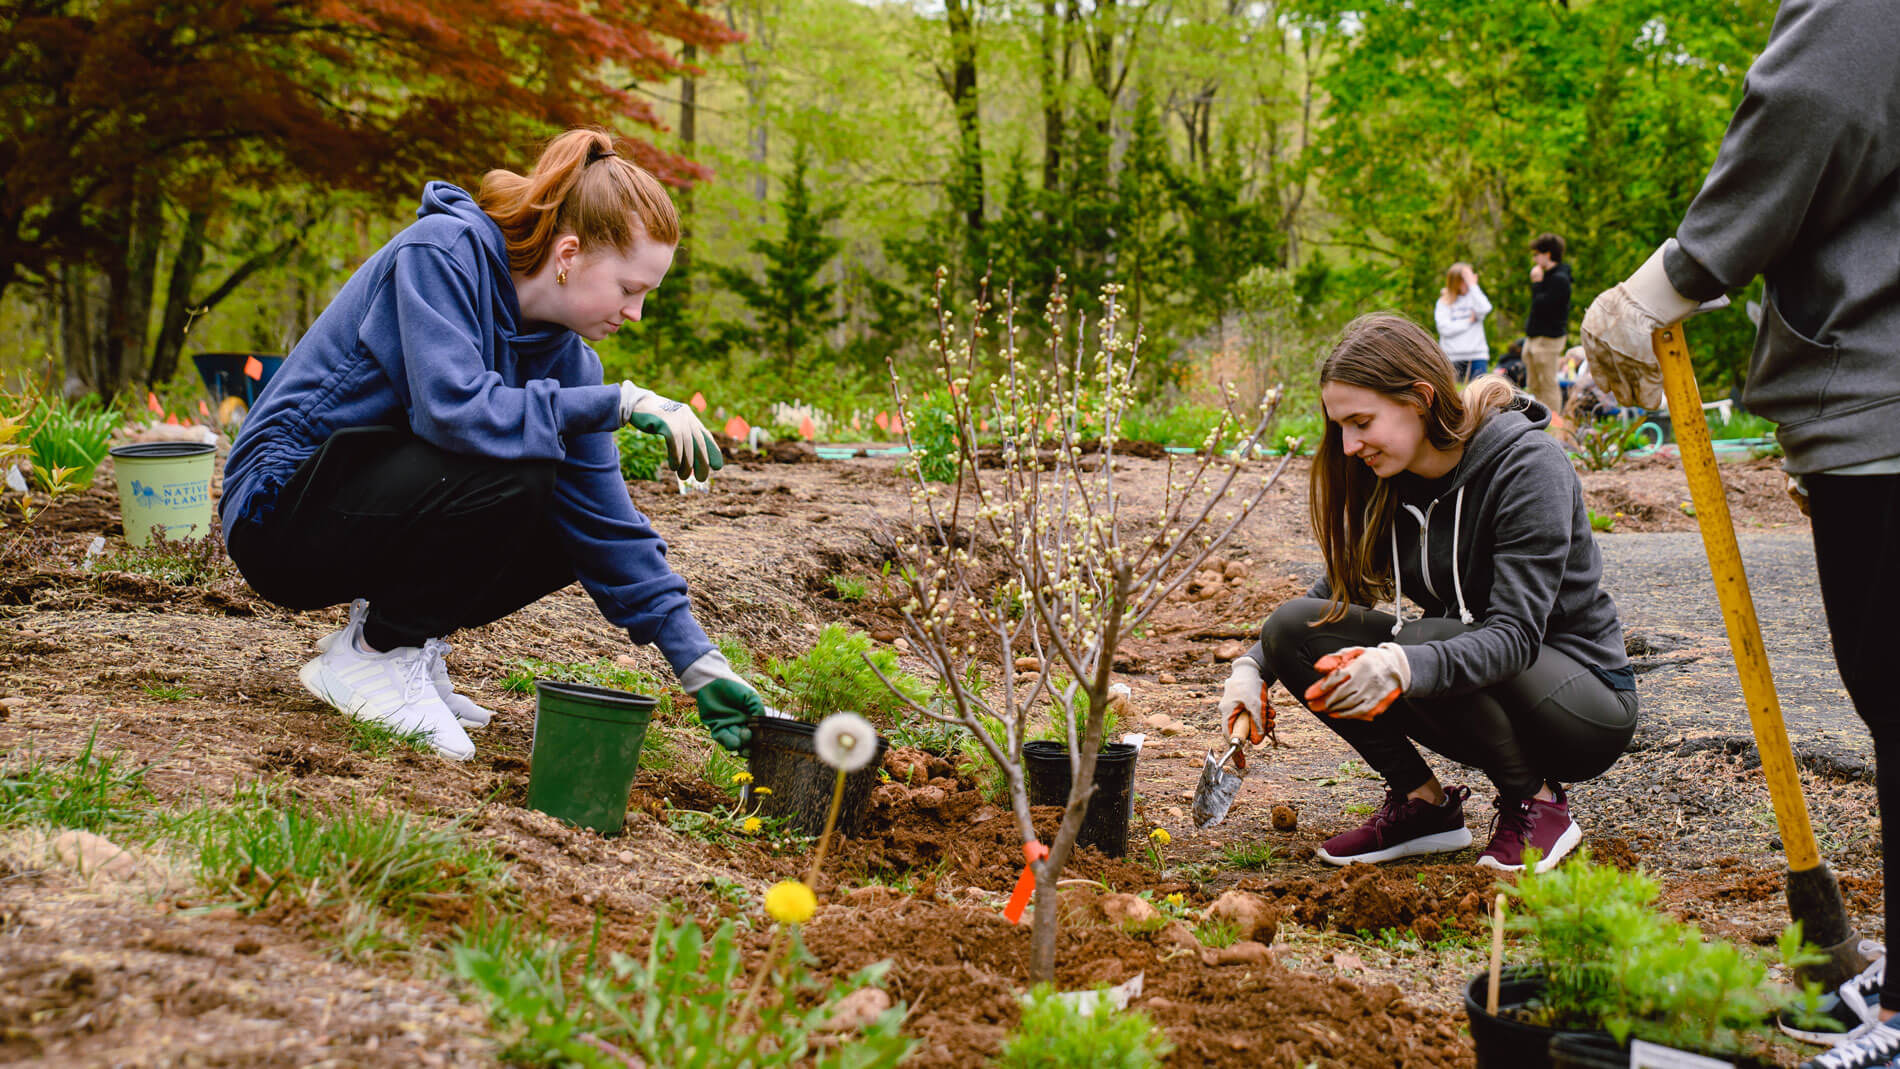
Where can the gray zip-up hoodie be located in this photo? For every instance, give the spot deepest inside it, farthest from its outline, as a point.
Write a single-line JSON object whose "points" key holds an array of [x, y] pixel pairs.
{"points": [[1806, 191], [1505, 544]]}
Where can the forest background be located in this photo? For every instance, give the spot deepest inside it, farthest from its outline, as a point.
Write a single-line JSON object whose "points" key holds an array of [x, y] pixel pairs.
{"points": [[203, 175]]}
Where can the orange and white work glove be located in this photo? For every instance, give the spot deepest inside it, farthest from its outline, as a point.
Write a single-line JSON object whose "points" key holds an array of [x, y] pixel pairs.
{"points": [[1244, 708], [1360, 681], [1617, 327]]}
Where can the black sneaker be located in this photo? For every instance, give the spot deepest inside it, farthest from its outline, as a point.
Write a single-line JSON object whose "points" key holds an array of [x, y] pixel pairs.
{"points": [[1402, 827], [1873, 1044], [1854, 1004]]}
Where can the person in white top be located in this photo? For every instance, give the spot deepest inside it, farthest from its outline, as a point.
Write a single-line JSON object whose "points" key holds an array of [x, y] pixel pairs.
{"points": [[1461, 309]]}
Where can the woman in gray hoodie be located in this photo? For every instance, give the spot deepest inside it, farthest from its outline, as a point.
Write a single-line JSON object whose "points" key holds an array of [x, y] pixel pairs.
{"points": [[1517, 667]]}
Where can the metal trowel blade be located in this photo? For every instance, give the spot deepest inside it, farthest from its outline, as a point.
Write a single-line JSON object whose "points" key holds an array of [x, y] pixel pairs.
{"points": [[1217, 790]]}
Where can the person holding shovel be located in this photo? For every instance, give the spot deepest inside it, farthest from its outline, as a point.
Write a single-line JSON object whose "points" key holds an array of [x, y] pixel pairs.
{"points": [[1805, 191], [1517, 667], [440, 445]]}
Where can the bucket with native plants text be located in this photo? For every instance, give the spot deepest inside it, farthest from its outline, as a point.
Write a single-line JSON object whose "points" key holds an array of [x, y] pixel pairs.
{"points": [[164, 487]]}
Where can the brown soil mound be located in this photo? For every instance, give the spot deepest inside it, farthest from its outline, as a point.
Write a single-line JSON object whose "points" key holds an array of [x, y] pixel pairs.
{"points": [[1425, 899], [961, 971]]}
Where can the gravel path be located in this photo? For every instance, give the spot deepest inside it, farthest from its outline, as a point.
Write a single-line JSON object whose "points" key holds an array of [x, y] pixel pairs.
{"points": [[1686, 673]]}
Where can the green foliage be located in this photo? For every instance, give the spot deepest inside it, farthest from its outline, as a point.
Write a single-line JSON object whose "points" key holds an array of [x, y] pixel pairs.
{"points": [[380, 740], [1054, 1035], [1250, 855], [63, 435], [86, 791], [1602, 521], [165, 692], [1740, 425], [184, 562], [1606, 442], [934, 440], [642, 455], [836, 675], [523, 671], [1183, 425], [849, 587], [384, 871], [790, 307], [1218, 934], [1611, 960], [683, 1006]]}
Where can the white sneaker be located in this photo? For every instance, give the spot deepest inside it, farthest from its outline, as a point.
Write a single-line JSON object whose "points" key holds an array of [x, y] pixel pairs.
{"points": [[464, 709], [1871, 1046], [393, 689], [1852, 1007], [462, 706], [359, 610]]}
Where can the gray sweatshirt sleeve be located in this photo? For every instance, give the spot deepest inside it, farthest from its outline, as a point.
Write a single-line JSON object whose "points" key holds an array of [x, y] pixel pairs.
{"points": [[1814, 134], [1532, 549]]}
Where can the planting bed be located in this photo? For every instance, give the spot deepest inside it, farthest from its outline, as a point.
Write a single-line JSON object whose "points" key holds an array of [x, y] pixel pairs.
{"points": [[198, 678]]}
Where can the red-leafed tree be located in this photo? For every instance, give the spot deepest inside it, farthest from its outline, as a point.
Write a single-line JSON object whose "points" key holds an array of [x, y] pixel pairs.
{"points": [[129, 124]]}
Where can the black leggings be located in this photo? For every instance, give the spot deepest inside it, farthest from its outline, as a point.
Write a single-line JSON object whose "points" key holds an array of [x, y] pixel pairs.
{"points": [[435, 540], [1555, 723], [1856, 527]]}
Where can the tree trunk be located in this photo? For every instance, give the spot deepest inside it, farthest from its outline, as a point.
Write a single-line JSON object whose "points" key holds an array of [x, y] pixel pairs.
{"points": [[961, 18], [129, 280], [689, 139], [1054, 80], [178, 312], [77, 337]]}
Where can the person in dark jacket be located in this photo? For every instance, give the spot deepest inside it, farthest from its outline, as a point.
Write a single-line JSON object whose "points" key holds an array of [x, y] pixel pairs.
{"points": [[1805, 191], [439, 447], [1547, 326], [1517, 666]]}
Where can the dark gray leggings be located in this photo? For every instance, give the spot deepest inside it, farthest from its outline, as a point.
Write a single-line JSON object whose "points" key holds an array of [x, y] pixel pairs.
{"points": [[1556, 723]]}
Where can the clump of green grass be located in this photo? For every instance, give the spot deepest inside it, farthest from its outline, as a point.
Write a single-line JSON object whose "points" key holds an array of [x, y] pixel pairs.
{"points": [[268, 848], [87, 791], [642, 455], [1252, 855], [523, 671], [63, 435], [380, 740], [177, 562], [165, 692], [1216, 933], [849, 587]]}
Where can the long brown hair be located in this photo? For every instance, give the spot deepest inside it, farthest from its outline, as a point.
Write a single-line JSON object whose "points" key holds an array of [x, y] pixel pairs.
{"points": [[579, 186], [1455, 281], [1352, 508]]}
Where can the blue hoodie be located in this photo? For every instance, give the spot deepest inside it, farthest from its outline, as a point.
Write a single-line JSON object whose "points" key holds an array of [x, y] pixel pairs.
{"points": [[427, 334]]}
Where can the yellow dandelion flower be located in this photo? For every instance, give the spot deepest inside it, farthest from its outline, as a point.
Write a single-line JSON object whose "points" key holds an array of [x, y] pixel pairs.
{"points": [[790, 902], [742, 777], [1161, 836], [1176, 899], [752, 825], [761, 791]]}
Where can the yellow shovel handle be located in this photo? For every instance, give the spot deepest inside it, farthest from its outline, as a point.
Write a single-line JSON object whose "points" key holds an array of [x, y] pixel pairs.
{"points": [[1738, 606]]}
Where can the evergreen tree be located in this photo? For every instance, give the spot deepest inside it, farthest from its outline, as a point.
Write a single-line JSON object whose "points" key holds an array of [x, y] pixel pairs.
{"points": [[791, 308]]}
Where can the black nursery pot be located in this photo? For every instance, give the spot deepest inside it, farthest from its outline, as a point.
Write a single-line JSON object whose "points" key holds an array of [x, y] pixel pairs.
{"points": [[1502, 1041], [1594, 1050], [1105, 823], [784, 759]]}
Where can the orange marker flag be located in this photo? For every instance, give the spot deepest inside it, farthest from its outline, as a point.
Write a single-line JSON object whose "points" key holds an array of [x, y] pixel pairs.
{"points": [[807, 430], [737, 428], [897, 423], [698, 401], [173, 420], [883, 421], [151, 402], [983, 425], [204, 410], [253, 368], [1033, 851]]}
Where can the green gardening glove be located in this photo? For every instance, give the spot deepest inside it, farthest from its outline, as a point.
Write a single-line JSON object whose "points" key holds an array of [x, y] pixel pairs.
{"points": [[726, 702], [690, 449]]}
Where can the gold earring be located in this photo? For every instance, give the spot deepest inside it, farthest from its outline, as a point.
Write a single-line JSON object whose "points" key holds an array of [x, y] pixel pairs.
{"points": [[560, 277]]}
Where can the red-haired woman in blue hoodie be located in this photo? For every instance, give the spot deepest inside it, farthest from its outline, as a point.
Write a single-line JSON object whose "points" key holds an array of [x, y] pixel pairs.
{"points": [[438, 449]]}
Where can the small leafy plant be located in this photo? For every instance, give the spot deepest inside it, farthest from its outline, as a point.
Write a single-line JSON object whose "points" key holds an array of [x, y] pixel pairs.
{"points": [[1055, 1034], [840, 674], [685, 1005], [1250, 855], [849, 587], [1612, 961], [69, 436], [194, 562], [642, 455], [1602, 521], [1604, 443]]}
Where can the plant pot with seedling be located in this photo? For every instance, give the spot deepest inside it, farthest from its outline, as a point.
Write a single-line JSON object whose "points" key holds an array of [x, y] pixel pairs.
{"points": [[839, 674], [1612, 971]]}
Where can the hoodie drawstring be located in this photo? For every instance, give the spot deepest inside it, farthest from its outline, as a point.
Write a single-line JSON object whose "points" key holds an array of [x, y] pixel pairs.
{"points": [[1457, 583]]}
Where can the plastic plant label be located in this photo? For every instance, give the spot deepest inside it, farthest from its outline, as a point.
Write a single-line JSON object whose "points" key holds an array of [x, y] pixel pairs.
{"points": [[15, 481], [1650, 1056]]}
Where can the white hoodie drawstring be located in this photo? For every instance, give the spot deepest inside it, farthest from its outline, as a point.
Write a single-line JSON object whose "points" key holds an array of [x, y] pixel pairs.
{"points": [[1457, 583]]}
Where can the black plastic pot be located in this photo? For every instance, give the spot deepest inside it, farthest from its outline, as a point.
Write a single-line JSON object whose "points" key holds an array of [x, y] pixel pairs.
{"points": [[1594, 1050], [784, 759], [1105, 823], [1502, 1041]]}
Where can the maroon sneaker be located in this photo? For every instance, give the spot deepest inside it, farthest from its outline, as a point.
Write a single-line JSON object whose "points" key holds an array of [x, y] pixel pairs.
{"points": [[1531, 824], [1402, 827]]}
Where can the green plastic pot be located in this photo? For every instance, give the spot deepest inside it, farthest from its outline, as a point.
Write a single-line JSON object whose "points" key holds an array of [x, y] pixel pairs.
{"points": [[586, 749], [164, 487]]}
